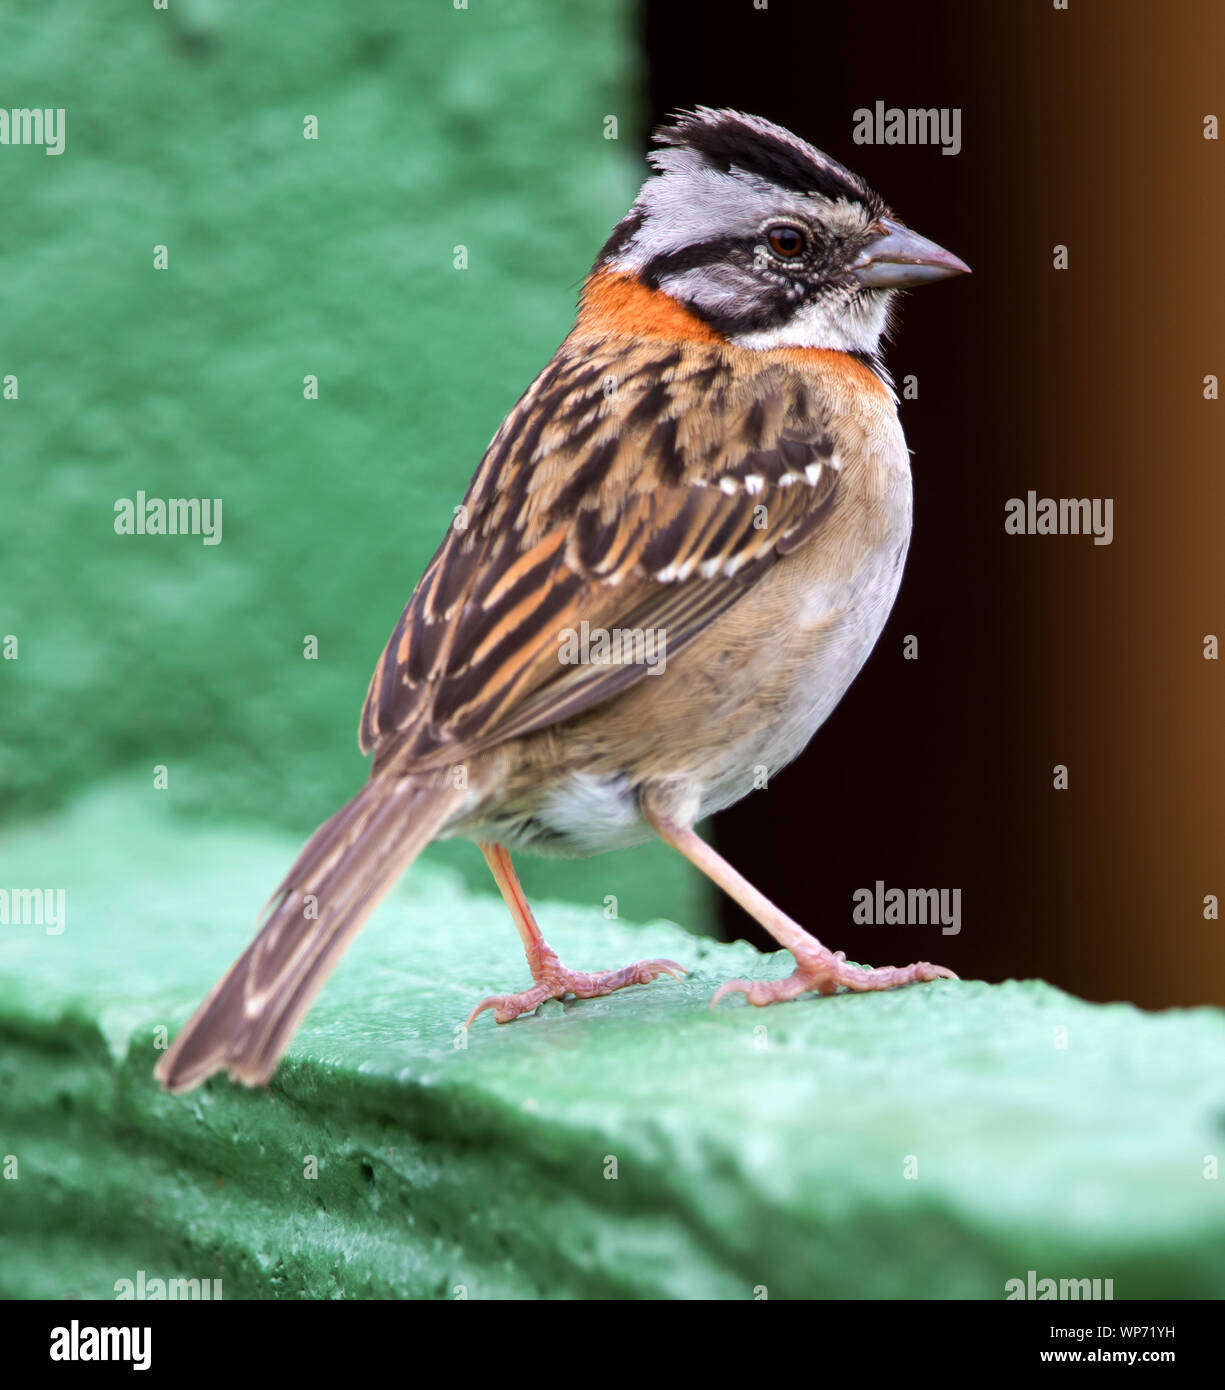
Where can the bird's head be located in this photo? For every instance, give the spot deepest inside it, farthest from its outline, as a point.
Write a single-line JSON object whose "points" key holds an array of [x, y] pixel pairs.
{"points": [[767, 240]]}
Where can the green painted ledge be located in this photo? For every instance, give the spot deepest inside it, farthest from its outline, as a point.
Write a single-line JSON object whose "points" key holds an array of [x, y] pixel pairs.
{"points": [[752, 1148]]}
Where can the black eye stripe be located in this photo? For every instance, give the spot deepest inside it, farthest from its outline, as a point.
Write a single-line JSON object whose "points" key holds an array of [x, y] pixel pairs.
{"points": [[703, 253], [719, 250]]}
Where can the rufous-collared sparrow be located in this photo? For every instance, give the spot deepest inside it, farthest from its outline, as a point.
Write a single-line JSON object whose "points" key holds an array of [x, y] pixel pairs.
{"points": [[712, 464]]}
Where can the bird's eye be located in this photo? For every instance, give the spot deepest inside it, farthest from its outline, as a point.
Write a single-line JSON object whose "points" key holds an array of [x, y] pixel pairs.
{"points": [[786, 241]]}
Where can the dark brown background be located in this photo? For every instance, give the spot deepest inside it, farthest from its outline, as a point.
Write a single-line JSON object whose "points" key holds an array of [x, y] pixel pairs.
{"points": [[1082, 128]]}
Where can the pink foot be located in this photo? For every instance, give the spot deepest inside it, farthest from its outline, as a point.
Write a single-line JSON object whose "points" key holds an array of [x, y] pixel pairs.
{"points": [[554, 981], [824, 971]]}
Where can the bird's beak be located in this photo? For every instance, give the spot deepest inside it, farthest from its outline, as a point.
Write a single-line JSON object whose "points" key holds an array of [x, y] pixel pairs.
{"points": [[900, 258]]}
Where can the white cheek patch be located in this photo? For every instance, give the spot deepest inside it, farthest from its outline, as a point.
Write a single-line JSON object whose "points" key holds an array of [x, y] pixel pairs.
{"points": [[829, 321], [715, 289]]}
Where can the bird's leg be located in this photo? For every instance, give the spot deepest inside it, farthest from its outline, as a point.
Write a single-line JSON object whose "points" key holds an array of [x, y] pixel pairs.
{"points": [[553, 980], [816, 968]]}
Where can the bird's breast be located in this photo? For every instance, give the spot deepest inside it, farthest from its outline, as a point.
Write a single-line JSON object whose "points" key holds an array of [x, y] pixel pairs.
{"points": [[743, 698], [805, 636]]}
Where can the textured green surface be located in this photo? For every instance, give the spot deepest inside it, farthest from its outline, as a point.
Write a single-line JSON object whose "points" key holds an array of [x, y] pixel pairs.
{"points": [[437, 128], [753, 1147]]}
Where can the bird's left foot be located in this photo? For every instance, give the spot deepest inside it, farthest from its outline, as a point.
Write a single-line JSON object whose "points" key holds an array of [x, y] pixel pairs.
{"points": [[823, 971], [555, 981]]}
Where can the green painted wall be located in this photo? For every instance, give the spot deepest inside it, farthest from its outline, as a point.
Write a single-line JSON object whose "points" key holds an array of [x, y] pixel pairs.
{"points": [[437, 128]]}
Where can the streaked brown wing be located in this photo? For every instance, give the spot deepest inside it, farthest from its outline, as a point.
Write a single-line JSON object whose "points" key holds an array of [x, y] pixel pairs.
{"points": [[641, 490]]}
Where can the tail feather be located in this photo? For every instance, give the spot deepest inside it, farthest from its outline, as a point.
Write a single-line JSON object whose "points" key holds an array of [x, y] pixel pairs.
{"points": [[341, 875]]}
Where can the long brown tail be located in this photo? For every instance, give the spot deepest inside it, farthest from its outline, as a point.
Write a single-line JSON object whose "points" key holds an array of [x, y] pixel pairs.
{"points": [[342, 873]]}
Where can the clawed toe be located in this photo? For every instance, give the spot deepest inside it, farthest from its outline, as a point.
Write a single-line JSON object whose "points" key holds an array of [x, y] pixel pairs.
{"points": [[823, 972], [556, 982], [507, 1007], [762, 992], [642, 972]]}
